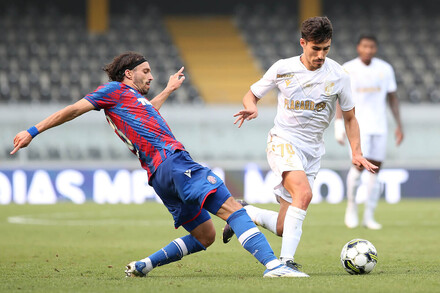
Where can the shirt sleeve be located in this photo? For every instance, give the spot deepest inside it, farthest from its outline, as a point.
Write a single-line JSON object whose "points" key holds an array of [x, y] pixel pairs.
{"points": [[102, 98], [345, 96], [267, 82], [392, 85]]}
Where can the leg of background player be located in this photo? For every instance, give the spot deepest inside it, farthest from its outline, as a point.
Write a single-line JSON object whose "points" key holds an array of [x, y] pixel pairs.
{"points": [[373, 194], [353, 181]]}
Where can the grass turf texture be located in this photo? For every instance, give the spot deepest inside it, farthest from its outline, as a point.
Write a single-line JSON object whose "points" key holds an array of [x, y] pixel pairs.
{"points": [[77, 248]]}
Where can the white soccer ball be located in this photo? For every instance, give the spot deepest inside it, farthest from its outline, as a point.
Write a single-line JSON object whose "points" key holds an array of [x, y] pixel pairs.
{"points": [[358, 257]]}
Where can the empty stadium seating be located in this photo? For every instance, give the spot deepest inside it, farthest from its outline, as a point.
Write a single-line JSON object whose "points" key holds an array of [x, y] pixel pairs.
{"points": [[47, 55], [406, 31]]}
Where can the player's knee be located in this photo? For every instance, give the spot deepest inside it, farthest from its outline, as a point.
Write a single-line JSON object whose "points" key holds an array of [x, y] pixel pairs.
{"points": [[208, 238], [229, 207], [304, 199], [308, 197]]}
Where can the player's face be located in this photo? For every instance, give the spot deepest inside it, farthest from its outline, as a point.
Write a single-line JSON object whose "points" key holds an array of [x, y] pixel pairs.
{"points": [[366, 50], [142, 77], [314, 54]]}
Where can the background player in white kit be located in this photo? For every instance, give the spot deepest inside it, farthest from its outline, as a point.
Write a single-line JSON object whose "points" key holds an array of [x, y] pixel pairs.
{"points": [[373, 83], [309, 86]]}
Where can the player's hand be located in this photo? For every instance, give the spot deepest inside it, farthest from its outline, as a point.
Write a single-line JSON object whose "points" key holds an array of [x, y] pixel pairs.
{"points": [[340, 131], [176, 80], [399, 136], [360, 161], [21, 140], [245, 114]]}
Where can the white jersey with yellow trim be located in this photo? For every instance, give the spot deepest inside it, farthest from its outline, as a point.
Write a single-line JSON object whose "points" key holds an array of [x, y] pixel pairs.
{"points": [[306, 100], [371, 84]]}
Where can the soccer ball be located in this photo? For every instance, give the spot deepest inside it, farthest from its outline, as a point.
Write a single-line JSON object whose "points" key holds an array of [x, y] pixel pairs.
{"points": [[358, 257]]}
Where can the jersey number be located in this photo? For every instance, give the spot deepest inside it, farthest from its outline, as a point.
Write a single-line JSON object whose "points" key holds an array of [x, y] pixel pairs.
{"points": [[284, 147], [125, 139]]}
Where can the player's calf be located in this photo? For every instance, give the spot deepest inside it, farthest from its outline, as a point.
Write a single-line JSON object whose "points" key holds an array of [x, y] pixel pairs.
{"points": [[227, 230]]}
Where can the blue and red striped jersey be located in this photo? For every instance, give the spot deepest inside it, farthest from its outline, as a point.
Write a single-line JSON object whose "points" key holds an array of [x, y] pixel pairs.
{"points": [[136, 122]]}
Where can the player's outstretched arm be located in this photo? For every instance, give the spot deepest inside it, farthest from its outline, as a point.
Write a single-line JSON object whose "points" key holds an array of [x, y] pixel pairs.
{"points": [[353, 135], [24, 138], [250, 110], [174, 83]]}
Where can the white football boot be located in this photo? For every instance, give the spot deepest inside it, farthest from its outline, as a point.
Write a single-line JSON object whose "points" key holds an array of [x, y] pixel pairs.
{"points": [[135, 269], [284, 271], [371, 224]]}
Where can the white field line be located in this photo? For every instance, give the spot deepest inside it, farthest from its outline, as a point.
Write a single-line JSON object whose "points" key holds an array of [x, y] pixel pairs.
{"points": [[77, 219]]}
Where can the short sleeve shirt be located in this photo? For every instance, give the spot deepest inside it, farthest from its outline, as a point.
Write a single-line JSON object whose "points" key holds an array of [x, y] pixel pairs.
{"points": [[136, 122], [306, 100]]}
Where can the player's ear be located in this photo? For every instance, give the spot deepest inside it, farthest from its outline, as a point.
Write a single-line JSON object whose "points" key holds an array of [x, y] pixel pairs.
{"points": [[302, 42], [128, 74]]}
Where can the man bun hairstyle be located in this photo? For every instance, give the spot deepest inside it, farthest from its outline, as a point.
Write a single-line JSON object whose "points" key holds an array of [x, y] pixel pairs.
{"points": [[317, 29], [127, 60]]}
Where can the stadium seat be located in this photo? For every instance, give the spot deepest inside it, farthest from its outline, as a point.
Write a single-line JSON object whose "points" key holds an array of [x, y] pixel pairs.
{"points": [[59, 42]]}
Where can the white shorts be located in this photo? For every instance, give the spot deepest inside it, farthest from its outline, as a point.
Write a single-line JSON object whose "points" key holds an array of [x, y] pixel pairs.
{"points": [[282, 156], [374, 146]]}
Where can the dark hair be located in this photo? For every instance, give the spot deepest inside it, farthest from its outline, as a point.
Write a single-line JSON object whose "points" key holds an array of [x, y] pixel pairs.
{"points": [[116, 69], [370, 37], [317, 29]]}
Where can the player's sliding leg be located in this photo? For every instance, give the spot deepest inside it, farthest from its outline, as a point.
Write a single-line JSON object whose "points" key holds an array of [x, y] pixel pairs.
{"points": [[250, 236], [256, 243], [351, 213], [262, 217], [170, 253], [373, 195]]}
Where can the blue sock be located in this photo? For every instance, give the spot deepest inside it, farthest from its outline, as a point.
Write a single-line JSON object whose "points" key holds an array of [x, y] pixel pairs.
{"points": [[252, 239], [174, 251]]}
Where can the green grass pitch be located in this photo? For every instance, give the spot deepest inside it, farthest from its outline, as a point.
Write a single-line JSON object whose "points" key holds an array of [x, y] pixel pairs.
{"points": [[84, 248]]}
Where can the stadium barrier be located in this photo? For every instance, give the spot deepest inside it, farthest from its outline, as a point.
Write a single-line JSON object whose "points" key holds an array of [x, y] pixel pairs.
{"points": [[112, 186]]}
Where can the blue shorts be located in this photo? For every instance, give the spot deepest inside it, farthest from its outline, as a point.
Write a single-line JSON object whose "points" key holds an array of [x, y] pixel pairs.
{"points": [[184, 187]]}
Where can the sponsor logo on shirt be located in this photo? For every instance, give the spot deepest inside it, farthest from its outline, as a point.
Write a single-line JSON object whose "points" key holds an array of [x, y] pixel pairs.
{"points": [[286, 75], [320, 106], [299, 105], [368, 89]]}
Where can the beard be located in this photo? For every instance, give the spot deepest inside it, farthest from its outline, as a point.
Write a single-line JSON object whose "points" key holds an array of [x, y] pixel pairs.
{"points": [[144, 91], [141, 87]]}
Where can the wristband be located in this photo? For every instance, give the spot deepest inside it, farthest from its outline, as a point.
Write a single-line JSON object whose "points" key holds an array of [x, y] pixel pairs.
{"points": [[33, 131]]}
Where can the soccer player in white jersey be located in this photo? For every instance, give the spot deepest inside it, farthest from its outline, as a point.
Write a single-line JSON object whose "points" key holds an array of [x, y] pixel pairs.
{"points": [[373, 83], [308, 88]]}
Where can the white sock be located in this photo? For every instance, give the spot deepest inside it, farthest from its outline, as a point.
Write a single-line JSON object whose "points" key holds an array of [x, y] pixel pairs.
{"points": [[353, 181], [373, 194], [292, 231], [265, 218]]}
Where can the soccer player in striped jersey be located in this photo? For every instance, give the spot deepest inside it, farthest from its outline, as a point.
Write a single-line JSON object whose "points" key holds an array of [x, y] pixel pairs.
{"points": [[187, 189]]}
